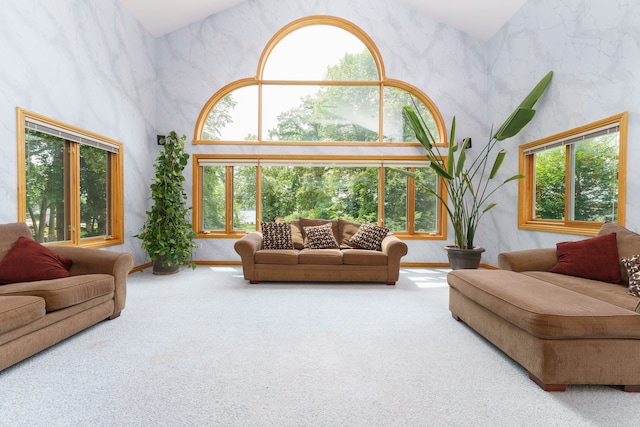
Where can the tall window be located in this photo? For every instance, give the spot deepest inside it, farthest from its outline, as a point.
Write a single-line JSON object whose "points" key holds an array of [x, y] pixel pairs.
{"points": [[320, 83], [70, 185], [575, 181]]}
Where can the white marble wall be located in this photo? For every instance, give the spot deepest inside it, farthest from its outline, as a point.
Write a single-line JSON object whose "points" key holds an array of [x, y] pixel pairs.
{"points": [[193, 63], [87, 63], [593, 47]]}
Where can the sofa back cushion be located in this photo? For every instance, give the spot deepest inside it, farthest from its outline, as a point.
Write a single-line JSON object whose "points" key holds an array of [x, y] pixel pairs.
{"points": [[9, 233], [628, 244]]}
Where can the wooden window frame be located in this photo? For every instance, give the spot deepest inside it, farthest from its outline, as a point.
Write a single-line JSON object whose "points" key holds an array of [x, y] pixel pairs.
{"points": [[115, 170], [229, 232], [526, 187]]}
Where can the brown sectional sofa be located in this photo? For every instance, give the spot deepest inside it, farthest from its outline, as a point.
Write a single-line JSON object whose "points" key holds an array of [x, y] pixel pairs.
{"points": [[343, 264], [37, 314], [563, 329]]}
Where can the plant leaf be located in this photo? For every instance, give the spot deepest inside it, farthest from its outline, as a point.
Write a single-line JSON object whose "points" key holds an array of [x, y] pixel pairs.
{"points": [[524, 112], [417, 127], [489, 206], [513, 178], [437, 167], [497, 163]]}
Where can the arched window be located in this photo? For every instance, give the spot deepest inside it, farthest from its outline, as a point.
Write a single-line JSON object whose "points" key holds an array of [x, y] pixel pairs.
{"points": [[320, 82]]}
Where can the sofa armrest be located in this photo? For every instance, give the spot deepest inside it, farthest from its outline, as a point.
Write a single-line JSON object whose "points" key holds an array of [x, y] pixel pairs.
{"points": [[246, 247], [528, 260], [395, 249], [99, 261]]}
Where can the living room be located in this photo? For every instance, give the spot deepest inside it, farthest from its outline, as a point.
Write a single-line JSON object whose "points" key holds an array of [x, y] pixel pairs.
{"points": [[94, 66]]}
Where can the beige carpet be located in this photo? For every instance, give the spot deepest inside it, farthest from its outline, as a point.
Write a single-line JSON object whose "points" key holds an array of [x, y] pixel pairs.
{"points": [[205, 348]]}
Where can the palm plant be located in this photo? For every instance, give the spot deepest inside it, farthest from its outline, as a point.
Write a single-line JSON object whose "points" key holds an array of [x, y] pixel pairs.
{"points": [[469, 187]]}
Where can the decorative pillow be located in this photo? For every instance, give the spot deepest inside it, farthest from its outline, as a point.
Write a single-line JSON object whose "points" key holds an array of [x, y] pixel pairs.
{"points": [[632, 264], [370, 236], [276, 235], [595, 258], [28, 261], [296, 234], [634, 284], [321, 237]]}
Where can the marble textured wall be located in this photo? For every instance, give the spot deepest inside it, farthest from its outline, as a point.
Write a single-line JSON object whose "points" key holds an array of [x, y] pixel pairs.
{"points": [[194, 62], [87, 63], [593, 47]]}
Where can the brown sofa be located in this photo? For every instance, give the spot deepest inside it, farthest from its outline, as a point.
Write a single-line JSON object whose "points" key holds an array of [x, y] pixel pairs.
{"points": [[35, 315], [563, 329], [346, 263]]}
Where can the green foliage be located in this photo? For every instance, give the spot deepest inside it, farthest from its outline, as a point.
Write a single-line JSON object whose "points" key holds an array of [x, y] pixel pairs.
{"points": [[167, 234], [469, 187]]}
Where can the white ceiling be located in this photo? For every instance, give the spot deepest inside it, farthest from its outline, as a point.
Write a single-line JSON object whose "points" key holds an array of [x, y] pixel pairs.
{"points": [[479, 18]]}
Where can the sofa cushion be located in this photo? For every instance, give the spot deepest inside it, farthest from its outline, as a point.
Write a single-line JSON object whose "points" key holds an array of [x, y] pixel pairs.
{"points": [[346, 230], [320, 237], [64, 292], [363, 257], [28, 260], [19, 311], [276, 235], [613, 293], [320, 256], [543, 309], [277, 256], [595, 258], [628, 243], [296, 234], [370, 236]]}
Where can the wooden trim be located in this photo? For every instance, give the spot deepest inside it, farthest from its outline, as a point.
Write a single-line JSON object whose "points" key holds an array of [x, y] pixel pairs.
{"points": [[526, 186], [72, 182]]}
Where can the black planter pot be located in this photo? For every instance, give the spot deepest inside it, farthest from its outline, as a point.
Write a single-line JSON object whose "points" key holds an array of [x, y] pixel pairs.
{"points": [[162, 269], [460, 259]]}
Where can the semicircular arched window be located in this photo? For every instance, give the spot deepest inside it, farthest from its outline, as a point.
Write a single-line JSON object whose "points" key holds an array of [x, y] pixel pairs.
{"points": [[320, 88], [319, 80]]}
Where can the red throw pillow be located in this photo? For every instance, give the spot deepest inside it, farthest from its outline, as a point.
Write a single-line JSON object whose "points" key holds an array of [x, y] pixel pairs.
{"points": [[595, 258], [28, 261]]}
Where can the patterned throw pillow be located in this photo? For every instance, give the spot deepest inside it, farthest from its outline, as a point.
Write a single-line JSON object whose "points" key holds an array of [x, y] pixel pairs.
{"points": [[321, 237], [632, 264], [276, 235], [370, 236]]}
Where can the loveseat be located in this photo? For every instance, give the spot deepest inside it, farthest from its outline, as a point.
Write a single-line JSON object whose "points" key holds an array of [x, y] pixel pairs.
{"points": [[321, 250], [82, 287], [569, 315]]}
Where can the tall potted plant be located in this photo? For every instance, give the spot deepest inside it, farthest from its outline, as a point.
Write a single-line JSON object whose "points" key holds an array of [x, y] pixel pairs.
{"points": [[167, 235], [469, 186]]}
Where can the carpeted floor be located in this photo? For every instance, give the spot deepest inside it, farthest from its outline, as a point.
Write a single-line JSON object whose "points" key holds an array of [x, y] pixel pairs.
{"points": [[205, 348]]}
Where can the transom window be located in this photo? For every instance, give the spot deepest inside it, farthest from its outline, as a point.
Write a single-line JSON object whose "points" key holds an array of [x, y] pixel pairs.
{"points": [[575, 181], [321, 83], [70, 185]]}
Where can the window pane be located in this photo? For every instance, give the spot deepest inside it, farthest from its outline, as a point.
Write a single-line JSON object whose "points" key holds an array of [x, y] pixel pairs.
{"points": [[426, 217], [94, 192], [234, 117], [395, 200], [244, 198], [396, 128], [321, 52], [213, 198], [46, 200], [290, 192], [321, 113], [595, 179], [550, 183]]}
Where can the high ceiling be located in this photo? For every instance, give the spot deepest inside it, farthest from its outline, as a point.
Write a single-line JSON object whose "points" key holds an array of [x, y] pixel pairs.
{"points": [[479, 18]]}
